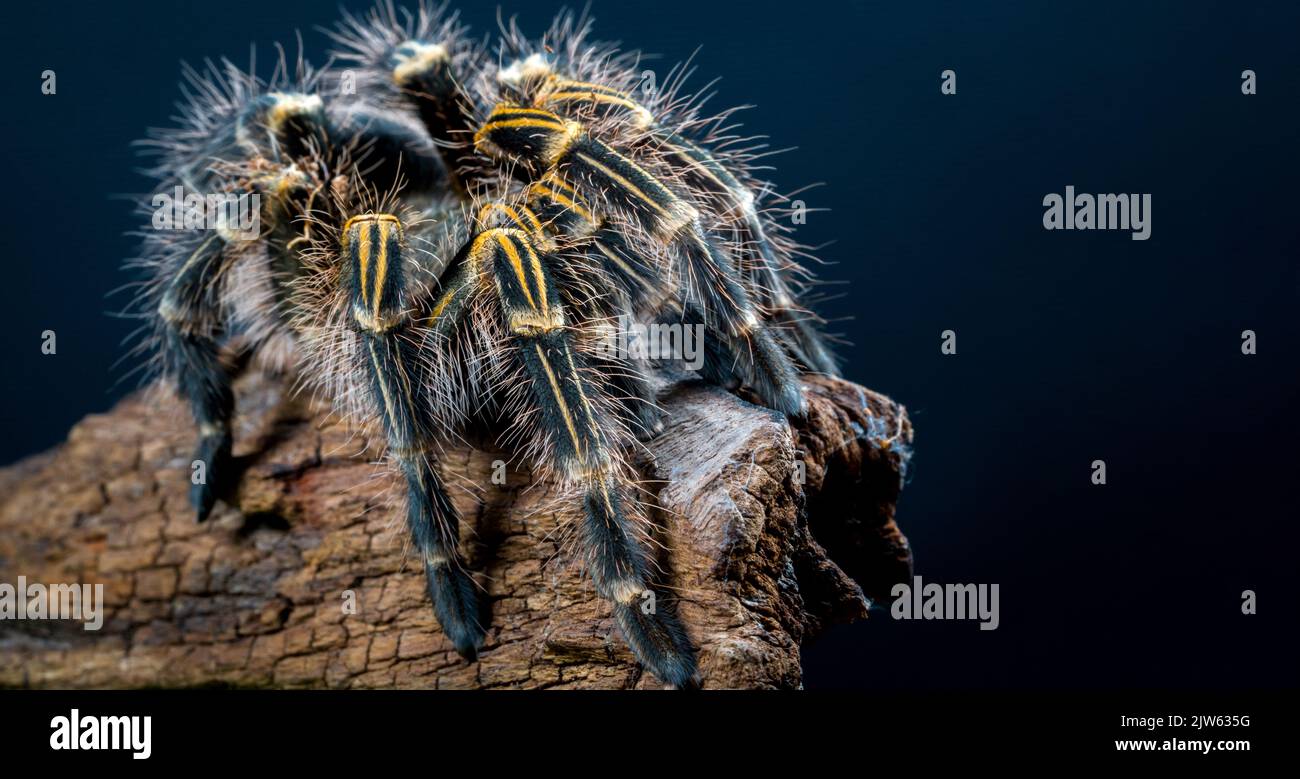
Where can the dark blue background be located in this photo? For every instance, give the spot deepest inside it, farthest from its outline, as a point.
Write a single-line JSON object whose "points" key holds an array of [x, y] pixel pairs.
{"points": [[1072, 346]]}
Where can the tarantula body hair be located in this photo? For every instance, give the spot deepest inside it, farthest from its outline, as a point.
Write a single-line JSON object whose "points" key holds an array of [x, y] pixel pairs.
{"points": [[545, 142], [447, 244], [415, 62], [607, 105]]}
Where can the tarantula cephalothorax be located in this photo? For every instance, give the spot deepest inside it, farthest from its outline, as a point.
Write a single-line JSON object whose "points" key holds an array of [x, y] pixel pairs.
{"points": [[445, 240]]}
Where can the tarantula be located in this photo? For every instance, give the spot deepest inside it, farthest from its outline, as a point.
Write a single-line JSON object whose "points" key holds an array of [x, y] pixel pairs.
{"points": [[444, 237]]}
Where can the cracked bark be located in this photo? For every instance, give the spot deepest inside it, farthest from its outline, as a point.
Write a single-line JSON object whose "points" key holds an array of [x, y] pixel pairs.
{"points": [[759, 562]]}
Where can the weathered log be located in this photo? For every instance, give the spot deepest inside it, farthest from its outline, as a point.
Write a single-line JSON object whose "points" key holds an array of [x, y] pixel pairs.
{"points": [[302, 577]]}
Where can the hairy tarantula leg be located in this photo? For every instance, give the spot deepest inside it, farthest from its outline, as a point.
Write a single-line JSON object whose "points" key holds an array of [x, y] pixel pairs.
{"points": [[386, 151], [191, 355], [635, 284], [449, 309], [725, 306], [371, 245], [562, 208], [191, 323], [651, 629], [636, 396], [717, 297], [719, 364], [708, 175], [291, 125], [618, 357], [627, 380], [545, 140], [569, 415], [423, 71]]}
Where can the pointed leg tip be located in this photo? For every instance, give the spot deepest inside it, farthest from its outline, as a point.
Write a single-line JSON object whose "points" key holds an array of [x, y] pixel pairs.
{"points": [[468, 640], [794, 405], [660, 643], [456, 607], [214, 451], [677, 670], [203, 501], [688, 681]]}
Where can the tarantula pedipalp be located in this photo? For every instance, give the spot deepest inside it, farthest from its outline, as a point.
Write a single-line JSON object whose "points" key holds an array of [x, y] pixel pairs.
{"points": [[451, 243]]}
